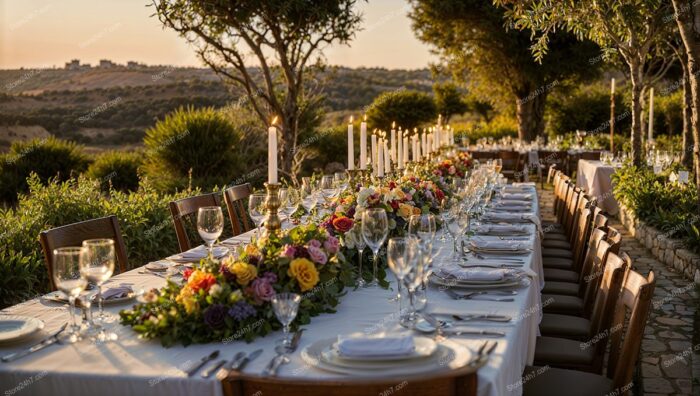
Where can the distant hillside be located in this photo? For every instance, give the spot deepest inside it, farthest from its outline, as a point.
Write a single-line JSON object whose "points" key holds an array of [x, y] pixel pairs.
{"points": [[108, 107]]}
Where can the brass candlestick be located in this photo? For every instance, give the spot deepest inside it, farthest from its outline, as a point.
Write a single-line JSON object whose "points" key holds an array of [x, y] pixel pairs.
{"points": [[354, 176], [272, 221]]}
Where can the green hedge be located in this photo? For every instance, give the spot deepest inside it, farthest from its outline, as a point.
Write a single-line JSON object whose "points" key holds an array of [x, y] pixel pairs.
{"points": [[670, 207], [117, 169], [143, 215]]}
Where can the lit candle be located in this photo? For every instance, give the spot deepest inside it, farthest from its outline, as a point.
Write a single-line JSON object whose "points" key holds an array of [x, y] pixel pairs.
{"points": [[651, 114], [393, 141], [399, 151], [272, 153], [612, 86], [351, 147], [430, 143], [363, 143], [423, 140], [437, 141], [387, 154], [414, 139], [374, 153], [380, 159]]}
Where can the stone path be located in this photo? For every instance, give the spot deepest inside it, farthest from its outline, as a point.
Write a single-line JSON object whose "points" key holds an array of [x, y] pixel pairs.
{"points": [[670, 354]]}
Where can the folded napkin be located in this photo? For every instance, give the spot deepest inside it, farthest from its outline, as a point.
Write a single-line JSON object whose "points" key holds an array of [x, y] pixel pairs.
{"points": [[473, 274], [116, 292], [501, 229], [517, 196], [363, 346], [524, 184], [482, 242]]}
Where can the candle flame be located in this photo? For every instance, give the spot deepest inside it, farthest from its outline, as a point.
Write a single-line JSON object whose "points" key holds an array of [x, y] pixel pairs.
{"points": [[364, 118], [274, 121], [393, 125], [351, 119]]}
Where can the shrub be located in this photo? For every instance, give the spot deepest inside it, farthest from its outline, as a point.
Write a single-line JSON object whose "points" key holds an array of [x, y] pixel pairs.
{"points": [[143, 215], [586, 108], [499, 127], [410, 108], [196, 141], [448, 100], [117, 169], [47, 158]]}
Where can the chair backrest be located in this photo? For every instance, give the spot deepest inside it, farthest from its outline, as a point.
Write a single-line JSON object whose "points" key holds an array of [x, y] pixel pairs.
{"points": [[236, 201], [572, 205], [599, 218], [510, 159], [634, 302], [604, 305], [185, 207], [74, 235], [566, 195], [590, 155], [614, 238], [458, 382], [548, 158], [482, 155], [582, 233], [588, 267]]}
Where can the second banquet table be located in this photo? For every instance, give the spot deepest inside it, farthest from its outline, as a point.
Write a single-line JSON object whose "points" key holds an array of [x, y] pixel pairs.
{"points": [[594, 177], [135, 366]]}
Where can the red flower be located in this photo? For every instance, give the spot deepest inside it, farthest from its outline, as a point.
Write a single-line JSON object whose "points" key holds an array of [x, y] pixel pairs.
{"points": [[202, 281], [186, 273], [342, 224], [392, 185], [394, 204]]}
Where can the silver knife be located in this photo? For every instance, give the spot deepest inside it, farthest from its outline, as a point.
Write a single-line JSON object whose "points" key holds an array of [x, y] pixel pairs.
{"points": [[491, 317], [483, 333], [207, 372], [235, 362], [192, 370], [247, 359], [282, 358], [52, 339]]}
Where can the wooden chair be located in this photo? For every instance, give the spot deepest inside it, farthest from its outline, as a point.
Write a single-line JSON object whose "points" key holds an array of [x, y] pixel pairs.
{"points": [[458, 382], [483, 155], [74, 235], [590, 155], [549, 159], [634, 302], [236, 202], [186, 207], [511, 164]]}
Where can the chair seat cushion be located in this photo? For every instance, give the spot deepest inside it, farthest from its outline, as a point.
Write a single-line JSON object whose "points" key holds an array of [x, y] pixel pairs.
{"points": [[565, 326], [557, 252], [564, 288], [558, 263], [560, 275], [546, 381], [557, 303], [562, 352], [556, 244]]}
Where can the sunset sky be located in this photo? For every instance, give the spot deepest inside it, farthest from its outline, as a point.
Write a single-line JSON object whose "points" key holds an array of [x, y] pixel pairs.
{"points": [[46, 33]]}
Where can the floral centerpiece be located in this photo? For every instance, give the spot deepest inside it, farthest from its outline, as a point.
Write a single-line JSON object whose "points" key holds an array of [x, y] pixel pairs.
{"points": [[230, 299]]}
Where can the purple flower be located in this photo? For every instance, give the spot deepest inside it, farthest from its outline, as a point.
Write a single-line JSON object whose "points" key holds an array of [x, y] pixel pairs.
{"points": [[262, 290], [228, 275], [241, 310], [332, 245], [301, 252], [314, 243], [350, 212], [214, 316], [317, 255], [270, 276], [288, 251]]}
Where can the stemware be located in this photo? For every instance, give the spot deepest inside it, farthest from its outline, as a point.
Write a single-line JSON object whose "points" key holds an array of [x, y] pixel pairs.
{"points": [[375, 229], [69, 280], [457, 225], [401, 253], [210, 225], [497, 165], [361, 245], [423, 227], [286, 306], [291, 203], [256, 209], [308, 200], [97, 266], [413, 279]]}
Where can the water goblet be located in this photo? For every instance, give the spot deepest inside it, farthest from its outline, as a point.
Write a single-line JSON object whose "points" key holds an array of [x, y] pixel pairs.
{"points": [[375, 229], [257, 209], [69, 280], [210, 225], [97, 266], [286, 306]]}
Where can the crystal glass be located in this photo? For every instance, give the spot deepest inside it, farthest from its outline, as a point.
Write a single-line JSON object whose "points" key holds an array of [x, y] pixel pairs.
{"points": [[286, 306], [291, 203], [413, 279], [210, 225], [361, 245], [497, 165], [375, 229], [97, 266], [457, 225], [308, 200], [340, 179], [69, 280], [423, 227], [256, 209], [401, 253]]}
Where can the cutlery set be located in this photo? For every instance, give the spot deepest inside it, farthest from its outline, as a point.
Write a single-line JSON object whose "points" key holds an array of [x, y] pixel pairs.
{"points": [[282, 356], [238, 363], [50, 340], [482, 295]]}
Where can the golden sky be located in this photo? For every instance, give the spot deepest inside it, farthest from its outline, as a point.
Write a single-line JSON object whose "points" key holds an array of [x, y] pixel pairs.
{"points": [[46, 33]]}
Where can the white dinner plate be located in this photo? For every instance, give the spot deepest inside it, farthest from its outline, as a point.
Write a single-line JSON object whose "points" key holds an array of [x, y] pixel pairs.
{"points": [[60, 297], [424, 347], [159, 266], [14, 328], [446, 357]]}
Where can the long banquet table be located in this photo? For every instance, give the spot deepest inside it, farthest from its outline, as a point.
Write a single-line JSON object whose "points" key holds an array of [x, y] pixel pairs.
{"points": [[595, 177], [143, 367]]}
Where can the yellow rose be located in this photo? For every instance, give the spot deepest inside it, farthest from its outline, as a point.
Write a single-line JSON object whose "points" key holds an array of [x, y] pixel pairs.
{"points": [[251, 250], [244, 272], [187, 299], [416, 211], [304, 271], [405, 210]]}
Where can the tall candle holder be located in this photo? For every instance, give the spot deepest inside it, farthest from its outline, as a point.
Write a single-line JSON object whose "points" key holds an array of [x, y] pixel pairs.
{"points": [[273, 224], [354, 176]]}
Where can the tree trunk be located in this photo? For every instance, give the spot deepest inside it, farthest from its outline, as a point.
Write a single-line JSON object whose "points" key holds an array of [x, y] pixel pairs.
{"points": [[687, 156], [636, 133], [530, 113]]}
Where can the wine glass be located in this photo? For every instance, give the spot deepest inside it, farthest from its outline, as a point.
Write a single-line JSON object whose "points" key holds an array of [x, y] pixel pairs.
{"points": [[400, 253], [291, 203], [256, 209], [210, 225], [97, 266], [412, 281], [308, 199], [423, 227], [457, 225], [328, 187], [286, 306], [361, 245], [375, 229], [69, 280], [341, 181], [497, 165]]}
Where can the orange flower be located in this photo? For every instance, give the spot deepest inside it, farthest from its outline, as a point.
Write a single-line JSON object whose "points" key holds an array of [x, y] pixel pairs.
{"points": [[201, 281]]}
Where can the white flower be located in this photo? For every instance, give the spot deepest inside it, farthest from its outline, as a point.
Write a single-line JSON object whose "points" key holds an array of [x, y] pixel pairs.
{"points": [[363, 195], [215, 290]]}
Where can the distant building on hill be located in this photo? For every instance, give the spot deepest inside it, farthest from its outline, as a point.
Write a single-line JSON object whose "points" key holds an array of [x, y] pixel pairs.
{"points": [[106, 64], [132, 65], [73, 64]]}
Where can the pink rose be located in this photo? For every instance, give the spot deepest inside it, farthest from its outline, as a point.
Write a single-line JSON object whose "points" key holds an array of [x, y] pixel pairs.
{"points": [[288, 251], [315, 243], [332, 245], [317, 255], [262, 290]]}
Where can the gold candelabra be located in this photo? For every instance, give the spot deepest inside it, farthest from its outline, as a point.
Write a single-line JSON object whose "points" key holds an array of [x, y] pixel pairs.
{"points": [[354, 176], [272, 221]]}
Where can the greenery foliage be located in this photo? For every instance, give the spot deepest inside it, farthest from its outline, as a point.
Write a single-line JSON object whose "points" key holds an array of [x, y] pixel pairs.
{"points": [[117, 169], [409, 109], [47, 158], [448, 100], [670, 207]]}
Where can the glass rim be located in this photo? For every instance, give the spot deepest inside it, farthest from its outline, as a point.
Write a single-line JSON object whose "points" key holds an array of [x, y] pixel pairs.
{"points": [[203, 208], [98, 241], [287, 296], [374, 210], [68, 250]]}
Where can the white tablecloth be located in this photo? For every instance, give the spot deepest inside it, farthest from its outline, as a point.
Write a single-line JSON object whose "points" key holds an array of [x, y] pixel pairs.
{"points": [[594, 178], [133, 366]]}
